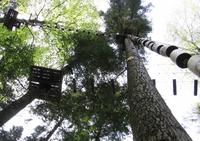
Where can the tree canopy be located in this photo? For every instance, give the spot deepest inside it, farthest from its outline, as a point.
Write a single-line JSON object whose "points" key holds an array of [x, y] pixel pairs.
{"points": [[127, 17]]}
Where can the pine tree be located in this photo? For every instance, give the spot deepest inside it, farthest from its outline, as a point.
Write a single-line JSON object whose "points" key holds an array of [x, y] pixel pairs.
{"points": [[150, 118]]}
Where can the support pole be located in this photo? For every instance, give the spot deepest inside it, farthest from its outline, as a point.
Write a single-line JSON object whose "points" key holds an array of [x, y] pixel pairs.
{"points": [[174, 87], [154, 82], [195, 87]]}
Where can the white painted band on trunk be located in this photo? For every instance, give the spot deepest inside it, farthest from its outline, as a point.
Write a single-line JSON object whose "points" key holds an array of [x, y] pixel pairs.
{"points": [[194, 64], [148, 42], [180, 58], [155, 47], [130, 58], [163, 50]]}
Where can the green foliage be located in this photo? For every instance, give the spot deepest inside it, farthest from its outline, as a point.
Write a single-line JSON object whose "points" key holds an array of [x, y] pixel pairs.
{"points": [[20, 4], [127, 16], [73, 14], [92, 54], [80, 135], [76, 14], [90, 113], [16, 54]]}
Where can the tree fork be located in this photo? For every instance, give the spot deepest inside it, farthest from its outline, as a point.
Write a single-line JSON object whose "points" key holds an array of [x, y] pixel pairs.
{"points": [[150, 117]]}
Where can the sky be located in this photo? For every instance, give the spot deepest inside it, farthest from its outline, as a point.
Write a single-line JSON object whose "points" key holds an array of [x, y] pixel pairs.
{"points": [[160, 68]]}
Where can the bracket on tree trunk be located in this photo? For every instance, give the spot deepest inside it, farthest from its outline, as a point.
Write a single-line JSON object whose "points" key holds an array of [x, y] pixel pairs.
{"points": [[195, 87], [46, 83], [11, 19], [154, 82], [174, 87]]}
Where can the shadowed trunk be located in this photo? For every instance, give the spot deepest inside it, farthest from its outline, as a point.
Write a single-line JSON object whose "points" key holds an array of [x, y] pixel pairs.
{"points": [[97, 137], [150, 117], [12, 109]]}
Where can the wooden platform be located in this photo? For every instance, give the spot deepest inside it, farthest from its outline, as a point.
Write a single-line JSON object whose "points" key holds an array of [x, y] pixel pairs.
{"points": [[46, 83], [11, 19]]}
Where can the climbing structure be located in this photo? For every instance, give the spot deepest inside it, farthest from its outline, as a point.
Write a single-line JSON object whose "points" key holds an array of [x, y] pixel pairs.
{"points": [[45, 83], [11, 19]]}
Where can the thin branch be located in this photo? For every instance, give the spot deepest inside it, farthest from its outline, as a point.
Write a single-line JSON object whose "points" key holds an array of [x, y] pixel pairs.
{"points": [[53, 130], [120, 73], [49, 12], [194, 44], [33, 39], [1, 98], [21, 84], [37, 15]]}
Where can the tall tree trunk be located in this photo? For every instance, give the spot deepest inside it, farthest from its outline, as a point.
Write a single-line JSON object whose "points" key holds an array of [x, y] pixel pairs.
{"points": [[97, 137], [53, 130], [150, 117], [8, 112]]}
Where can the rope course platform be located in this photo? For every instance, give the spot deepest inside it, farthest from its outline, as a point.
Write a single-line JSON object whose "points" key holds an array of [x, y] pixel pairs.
{"points": [[11, 19], [46, 83]]}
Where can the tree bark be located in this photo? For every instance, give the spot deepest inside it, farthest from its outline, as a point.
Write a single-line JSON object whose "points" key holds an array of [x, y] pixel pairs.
{"points": [[8, 112], [150, 117]]}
